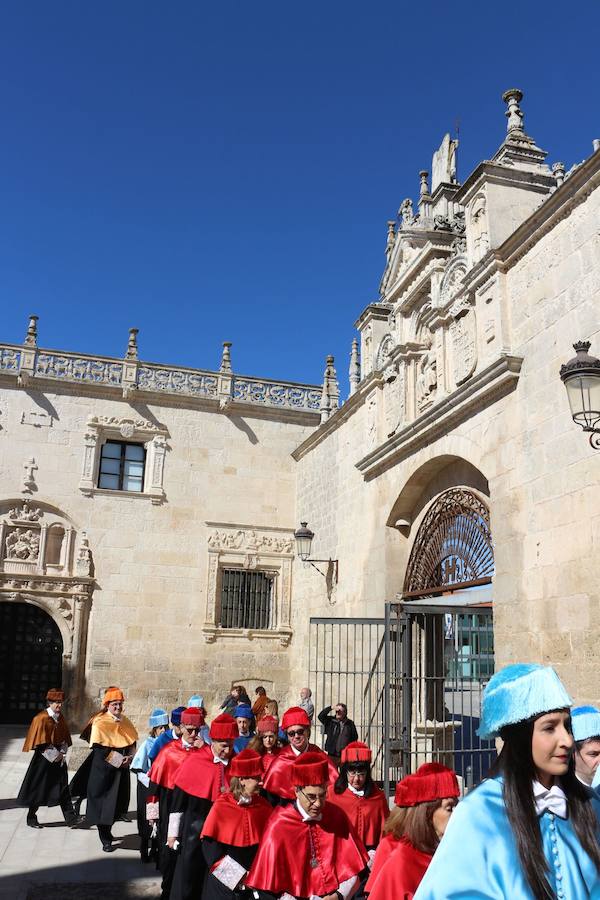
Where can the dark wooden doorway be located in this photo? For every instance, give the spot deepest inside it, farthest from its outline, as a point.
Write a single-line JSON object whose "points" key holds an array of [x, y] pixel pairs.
{"points": [[31, 651]]}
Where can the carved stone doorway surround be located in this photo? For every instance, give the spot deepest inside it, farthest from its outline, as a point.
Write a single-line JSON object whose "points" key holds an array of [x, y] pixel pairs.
{"points": [[45, 562]]}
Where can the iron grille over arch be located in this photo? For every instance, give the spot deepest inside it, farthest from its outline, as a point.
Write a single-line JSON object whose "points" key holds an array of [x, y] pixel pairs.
{"points": [[453, 544]]}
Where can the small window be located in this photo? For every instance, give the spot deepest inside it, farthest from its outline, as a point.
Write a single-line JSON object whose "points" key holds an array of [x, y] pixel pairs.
{"points": [[246, 599], [122, 466]]}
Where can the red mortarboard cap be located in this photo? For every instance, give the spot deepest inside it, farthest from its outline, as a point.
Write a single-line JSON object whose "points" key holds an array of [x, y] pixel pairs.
{"points": [[310, 768], [247, 764], [295, 715], [356, 752], [431, 781], [193, 715], [55, 695], [267, 724], [224, 728]]}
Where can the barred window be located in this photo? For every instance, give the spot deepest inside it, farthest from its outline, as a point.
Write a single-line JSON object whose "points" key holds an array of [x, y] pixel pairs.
{"points": [[246, 599], [122, 466]]}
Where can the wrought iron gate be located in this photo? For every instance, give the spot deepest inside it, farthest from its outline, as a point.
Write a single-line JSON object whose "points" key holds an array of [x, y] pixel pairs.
{"points": [[412, 683], [30, 660]]}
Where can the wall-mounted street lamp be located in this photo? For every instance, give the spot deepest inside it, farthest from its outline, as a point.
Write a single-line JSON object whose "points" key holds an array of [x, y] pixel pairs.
{"points": [[304, 538], [581, 377]]}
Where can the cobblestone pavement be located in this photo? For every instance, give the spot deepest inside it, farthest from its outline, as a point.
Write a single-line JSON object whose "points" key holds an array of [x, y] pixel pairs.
{"points": [[57, 863]]}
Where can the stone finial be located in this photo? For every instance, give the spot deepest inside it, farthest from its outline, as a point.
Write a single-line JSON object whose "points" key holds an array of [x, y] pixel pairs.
{"points": [[31, 336], [331, 391], [132, 345], [424, 187], [558, 170], [391, 236], [354, 370], [226, 357], [514, 113]]}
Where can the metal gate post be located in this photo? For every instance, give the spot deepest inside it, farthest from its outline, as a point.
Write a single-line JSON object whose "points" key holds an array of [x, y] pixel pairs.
{"points": [[405, 668], [386, 701]]}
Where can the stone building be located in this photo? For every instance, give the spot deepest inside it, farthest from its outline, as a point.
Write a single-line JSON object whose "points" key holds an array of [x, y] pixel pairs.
{"points": [[149, 510]]}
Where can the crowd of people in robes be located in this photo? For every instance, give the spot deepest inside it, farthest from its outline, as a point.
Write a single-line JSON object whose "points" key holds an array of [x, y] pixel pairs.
{"points": [[247, 807]]}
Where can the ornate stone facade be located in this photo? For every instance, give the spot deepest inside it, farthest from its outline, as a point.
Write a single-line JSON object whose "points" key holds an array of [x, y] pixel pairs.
{"points": [[453, 384]]}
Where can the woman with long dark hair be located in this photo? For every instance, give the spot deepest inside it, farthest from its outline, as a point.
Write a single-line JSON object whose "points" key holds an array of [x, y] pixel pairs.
{"points": [[531, 830], [357, 794], [424, 804]]}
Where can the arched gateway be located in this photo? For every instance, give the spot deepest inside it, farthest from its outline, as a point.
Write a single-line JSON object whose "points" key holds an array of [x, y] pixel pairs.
{"points": [[31, 655]]}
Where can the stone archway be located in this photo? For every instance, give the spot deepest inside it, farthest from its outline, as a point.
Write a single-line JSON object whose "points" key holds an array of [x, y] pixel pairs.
{"points": [[31, 660]]}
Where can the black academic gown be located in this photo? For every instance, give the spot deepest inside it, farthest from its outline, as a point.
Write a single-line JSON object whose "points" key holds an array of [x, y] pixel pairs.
{"points": [[191, 868], [167, 858], [78, 787], [108, 788], [213, 851], [45, 783]]}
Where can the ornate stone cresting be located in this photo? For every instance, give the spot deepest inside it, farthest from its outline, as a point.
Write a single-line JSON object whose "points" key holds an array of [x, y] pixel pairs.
{"points": [[129, 375]]}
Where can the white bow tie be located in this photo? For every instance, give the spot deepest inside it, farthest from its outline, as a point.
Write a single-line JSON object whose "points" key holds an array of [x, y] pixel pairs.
{"points": [[217, 759], [552, 800]]}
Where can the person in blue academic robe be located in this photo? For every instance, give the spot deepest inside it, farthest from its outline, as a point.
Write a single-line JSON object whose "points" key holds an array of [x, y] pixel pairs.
{"points": [[532, 830]]}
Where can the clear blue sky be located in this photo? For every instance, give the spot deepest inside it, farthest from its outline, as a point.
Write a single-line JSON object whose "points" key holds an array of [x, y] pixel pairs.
{"points": [[211, 171]]}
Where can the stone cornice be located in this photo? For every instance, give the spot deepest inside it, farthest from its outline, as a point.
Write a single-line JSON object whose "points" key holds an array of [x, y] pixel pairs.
{"points": [[499, 174], [482, 389]]}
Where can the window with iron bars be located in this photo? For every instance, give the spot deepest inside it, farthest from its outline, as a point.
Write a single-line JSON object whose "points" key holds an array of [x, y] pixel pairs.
{"points": [[246, 599]]}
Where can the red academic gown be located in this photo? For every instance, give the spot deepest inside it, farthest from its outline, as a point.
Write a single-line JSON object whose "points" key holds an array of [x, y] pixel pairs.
{"points": [[162, 780], [277, 780], [387, 845], [304, 859], [367, 814], [199, 781], [268, 759], [232, 829], [402, 873]]}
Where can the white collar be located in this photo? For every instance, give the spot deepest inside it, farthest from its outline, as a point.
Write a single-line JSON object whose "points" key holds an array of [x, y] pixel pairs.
{"points": [[305, 815], [298, 752], [355, 792], [552, 800], [186, 745], [217, 759]]}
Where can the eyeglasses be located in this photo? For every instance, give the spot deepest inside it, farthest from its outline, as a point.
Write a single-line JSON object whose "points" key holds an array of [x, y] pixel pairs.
{"points": [[194, 728], [295, 733], [313, 799]]}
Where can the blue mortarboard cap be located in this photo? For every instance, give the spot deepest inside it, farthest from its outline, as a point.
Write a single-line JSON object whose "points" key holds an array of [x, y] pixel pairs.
{"points": [[242, 711], [176, 714], [585, 722], [158, 717], [517, 693]]}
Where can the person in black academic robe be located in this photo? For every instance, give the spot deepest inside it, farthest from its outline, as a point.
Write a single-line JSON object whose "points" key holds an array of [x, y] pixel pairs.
{"points": [[233, 829], [140, 765], [160, 790], [112, 739], [45, 782], [199, 781]]}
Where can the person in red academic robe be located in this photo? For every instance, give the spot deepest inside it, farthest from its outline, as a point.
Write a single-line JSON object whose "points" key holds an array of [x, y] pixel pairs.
{"points": [[45, 782], [233, 828], [277, 782], [264, 741], [424, 804], [200, 781], [309, 848], [160, 788], [356, 793]]}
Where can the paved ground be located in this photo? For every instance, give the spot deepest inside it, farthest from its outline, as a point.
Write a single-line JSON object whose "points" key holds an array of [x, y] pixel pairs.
{"points": [[57, 863]]}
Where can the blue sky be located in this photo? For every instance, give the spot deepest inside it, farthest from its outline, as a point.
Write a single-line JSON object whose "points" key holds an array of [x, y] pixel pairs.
{"points": [[210, 172]]}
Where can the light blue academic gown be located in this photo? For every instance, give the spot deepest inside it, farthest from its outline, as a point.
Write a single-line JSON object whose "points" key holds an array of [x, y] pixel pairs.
{"points": [[141, 761], [477, 858]]}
